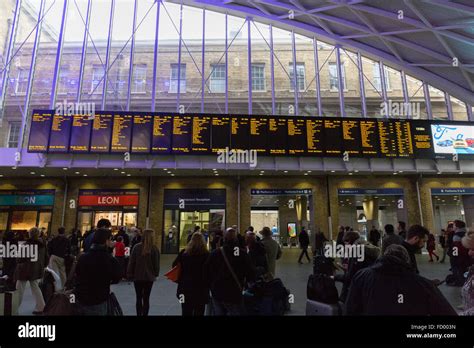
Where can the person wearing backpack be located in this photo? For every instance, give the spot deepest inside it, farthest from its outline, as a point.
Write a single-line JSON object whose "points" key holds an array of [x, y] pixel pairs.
{"points": [[59, 248], [143, 268], [229, 268]]}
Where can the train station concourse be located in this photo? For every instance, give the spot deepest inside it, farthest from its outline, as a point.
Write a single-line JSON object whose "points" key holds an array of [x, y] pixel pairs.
{"points": [[248, 157]]}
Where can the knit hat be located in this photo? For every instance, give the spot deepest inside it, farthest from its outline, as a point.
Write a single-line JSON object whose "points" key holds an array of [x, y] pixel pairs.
{"points": [[468, 240]]}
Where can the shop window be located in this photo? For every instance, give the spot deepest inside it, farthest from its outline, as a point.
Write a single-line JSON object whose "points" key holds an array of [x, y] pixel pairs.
{"points": [[174, 78], [3, 220], [217, 78], [23, 220]]}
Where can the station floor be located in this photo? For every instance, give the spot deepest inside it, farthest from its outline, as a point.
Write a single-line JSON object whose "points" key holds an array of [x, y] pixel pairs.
{"points": [[163, 299]]}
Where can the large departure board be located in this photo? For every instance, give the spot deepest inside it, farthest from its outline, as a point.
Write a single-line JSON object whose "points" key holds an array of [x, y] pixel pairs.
{"points": [[201, 134], [80, 134], [141, 134], [296, 136], [220, 133], [60, 133], [101, 133], [161, 136], [160, 133], [259, 134], [39, 131], [122, 133], [182, 134]]}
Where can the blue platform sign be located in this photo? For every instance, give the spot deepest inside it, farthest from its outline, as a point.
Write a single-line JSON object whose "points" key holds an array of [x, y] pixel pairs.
{"points": [[452, 191], [27, 198], [276, 192], [195, 199], [380, 192]]}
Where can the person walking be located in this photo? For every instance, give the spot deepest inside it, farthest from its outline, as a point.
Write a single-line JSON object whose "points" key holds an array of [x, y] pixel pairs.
{"points": [[444, 244], [374, 236], [431, 247], [256, 252], [29, 270], [415, 241], [9, 263], [272, 249], [390, 237], [89, 237], [143, 268], [75, 241], [119, 254], [59, 248], [96, 269], [401, 228], [303, 240], [193, 288]]}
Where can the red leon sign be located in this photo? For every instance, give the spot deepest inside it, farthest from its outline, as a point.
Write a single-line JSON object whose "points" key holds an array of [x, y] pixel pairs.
{"points": [[108, 200]]}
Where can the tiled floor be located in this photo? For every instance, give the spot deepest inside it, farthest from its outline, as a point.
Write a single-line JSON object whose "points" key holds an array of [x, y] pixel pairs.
{"points": [[164, 302]]}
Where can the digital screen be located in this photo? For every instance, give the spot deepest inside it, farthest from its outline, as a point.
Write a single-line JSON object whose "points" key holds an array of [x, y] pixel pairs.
{"points": [[220, 130], [122, 133], [80, 133], [314, 136], [369, 138], [101, 132], [333, 137], [296, 136], [60, 133], [141, 135], [351, 137], [451, 139], [162, 129], [240, 133], [182, 134], [387, 139], [277, 132], [404, 139], [39, 131], [201, 134], [422, 139], [259, 134]]}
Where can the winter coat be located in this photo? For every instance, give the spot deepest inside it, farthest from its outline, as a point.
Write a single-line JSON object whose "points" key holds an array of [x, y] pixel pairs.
{"points": [[32, 270], [192, 281]]}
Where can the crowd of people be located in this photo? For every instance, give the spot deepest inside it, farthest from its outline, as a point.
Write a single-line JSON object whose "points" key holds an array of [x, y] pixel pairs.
{"points": [[216, 269]]}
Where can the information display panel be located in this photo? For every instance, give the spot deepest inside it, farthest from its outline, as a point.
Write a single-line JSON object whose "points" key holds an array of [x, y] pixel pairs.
{"points": [[240, 133], [314, 136], [201, 134], [333, 137], [387, 139], [182, 134], [296, 136], [141, 134], [39, 131], [351, 137], [369, 138], [220, 129], [161, 136], [122, 133], [80, 134], [60, 134], [259, 135], [404, 139], [101, 133], [452, 139], [277, 133]]}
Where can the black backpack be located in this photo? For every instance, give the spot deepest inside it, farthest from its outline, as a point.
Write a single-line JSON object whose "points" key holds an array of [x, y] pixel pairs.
{"points": [[322, 288], [323, 265]]}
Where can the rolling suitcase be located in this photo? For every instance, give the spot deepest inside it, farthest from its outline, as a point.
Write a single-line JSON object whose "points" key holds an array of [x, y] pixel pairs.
{"points": [[314, 308]]}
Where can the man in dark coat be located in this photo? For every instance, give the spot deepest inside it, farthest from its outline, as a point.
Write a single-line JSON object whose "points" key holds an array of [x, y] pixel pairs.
{"points": [[303, 240], [257, 253], [416, 239], [391, 287]]}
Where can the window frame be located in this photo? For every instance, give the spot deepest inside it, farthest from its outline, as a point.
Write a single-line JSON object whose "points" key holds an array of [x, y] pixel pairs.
{"points": [[298, 64], [8, 139], [214, 79], [174, 81], [264, 89]]}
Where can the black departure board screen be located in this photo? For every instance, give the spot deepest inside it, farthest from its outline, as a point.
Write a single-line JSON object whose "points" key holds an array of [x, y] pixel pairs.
{"points": [[404, 139], [351, 137], [161, 136], [101, 132], [39, 131], [60, 134], [122, 133], [201, 134], [80, 133], [314, 136], [220, 130], [259, 134], [369, 138], [277, 129], [141, 135], [387, 139], [296, 136], [182, 134], [422, 139], [240, 133], [333, 137]]}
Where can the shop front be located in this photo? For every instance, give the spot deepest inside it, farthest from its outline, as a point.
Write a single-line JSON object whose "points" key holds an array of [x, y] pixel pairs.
{"points": [[451, 204], [22, 209], [186, 208], [362, 209], [118, 206]]}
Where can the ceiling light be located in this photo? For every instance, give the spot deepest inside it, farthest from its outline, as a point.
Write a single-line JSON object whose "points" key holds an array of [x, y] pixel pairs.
{"points": [[129, 174], [115, 168], [395, 173], [85, 175], [214, 169], [122, 172], [77, 173], [356, 171], [439, 173], [64, 168], [13, 168], [305, 173], [350, 173], [1, 175], [42, 175], [172, 174], [309, 171], [333, 171], [262, 171], [32, 173], [285, 171], [400, 171], [165, 169], [461, 172], [217, 174]]}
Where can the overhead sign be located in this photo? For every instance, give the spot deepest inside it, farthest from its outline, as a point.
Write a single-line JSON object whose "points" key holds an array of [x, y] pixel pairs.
{"points": [[379, 192], [27, 198], [452, 191], [94, 198], [273, 192], [195, 199]]}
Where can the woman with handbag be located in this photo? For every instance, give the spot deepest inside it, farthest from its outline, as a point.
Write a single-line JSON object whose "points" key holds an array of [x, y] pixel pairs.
{"points": [[193, 290], [29, 270], [143, 268]]}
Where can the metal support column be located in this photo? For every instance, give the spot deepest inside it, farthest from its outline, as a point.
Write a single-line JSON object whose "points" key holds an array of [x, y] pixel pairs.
{"points": [[155, 57], [178, 97], [107, 54], [249, 60], [340, 81], [406, 97], [426, 92], [203, 63], [449, 107], [384, 88], [362, 85], [317, 77], [295, 71], [132, 54], [272, 69]]}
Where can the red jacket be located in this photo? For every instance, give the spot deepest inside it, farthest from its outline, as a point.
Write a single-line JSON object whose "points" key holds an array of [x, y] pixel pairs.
{"points": [[119, 249]]}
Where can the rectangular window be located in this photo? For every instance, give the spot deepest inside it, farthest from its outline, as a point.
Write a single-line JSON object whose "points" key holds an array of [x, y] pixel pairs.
{"points": [[217, 84], [63, 82], [258, 77], [333, 77], [174, 78], [97, 78], [21, 83], [300, 77], [139, 78], [378, 80], [14, 134]]}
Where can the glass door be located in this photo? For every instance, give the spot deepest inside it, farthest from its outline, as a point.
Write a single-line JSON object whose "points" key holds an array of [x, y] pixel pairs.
{"points": [[188, 220], [44, 221], [84, 221], [115, 218]]}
